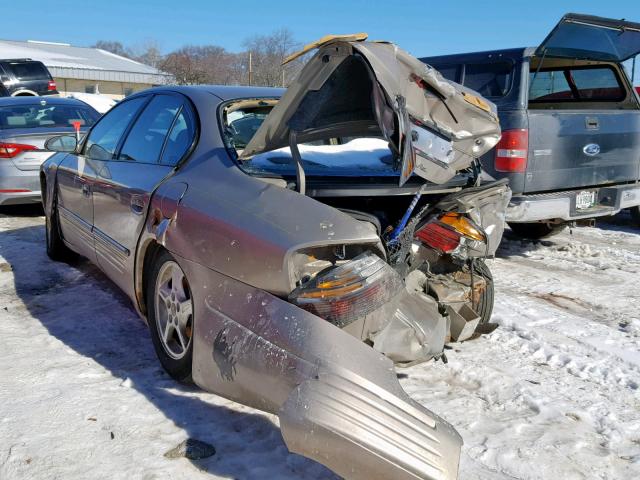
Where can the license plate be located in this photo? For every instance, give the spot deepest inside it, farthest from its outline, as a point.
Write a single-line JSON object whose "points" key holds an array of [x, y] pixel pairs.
{"points": [[585, 199]]}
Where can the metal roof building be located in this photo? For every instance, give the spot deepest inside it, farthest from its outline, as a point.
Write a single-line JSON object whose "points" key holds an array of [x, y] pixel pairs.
{"points": [[87, 70]]}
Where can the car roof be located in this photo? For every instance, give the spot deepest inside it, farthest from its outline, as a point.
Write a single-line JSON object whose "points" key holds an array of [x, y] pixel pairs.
{"points": [[224, 92], [31, 100], [488, 55]]}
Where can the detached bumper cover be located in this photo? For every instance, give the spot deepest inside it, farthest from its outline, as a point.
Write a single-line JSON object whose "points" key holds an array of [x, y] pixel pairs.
{"points": [[339, 400], [562, 205], [363, 432]]}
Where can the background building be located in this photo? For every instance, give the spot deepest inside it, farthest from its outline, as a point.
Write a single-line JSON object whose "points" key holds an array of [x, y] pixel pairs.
{"points": [[87, 70]]}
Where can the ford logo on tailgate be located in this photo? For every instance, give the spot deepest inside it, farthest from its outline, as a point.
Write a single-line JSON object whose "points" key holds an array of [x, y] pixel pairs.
{"points": [[591, 149]]}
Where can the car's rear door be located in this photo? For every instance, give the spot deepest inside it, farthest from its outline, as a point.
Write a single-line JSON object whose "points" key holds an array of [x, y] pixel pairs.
{"points": [[77, 175], [155, 143]]}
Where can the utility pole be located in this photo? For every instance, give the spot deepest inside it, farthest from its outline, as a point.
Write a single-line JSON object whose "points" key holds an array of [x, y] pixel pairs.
{"points": [[250, 69]]}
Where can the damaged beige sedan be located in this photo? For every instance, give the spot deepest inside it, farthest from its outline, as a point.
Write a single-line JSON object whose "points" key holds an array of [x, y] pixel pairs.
{"points": [[290, 249]]}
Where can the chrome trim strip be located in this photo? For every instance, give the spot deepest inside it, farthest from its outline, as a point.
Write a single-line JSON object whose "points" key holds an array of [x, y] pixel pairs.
{"points": [[110, 243], [74, 219]]}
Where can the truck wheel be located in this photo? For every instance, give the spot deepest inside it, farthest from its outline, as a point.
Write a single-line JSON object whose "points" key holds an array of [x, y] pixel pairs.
{"points": [[170, 316], [536, 231], [56, 248], [635, 216]]}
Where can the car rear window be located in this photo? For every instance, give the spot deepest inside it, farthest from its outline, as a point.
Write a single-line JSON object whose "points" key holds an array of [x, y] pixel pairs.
{"points": [[45, 116], [599, 84], [492, 80], [338, 157], [489, 79], [29, 70]]}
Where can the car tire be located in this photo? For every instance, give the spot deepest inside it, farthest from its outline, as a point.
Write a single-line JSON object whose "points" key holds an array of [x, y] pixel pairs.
{"points": [[484, 307], [56, 248], [170, 316], [536, 231], [635, 216]]}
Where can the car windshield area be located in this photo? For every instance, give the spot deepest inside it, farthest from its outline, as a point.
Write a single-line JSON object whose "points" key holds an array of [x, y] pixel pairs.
{"points": [[336, 157], [45, 116]]}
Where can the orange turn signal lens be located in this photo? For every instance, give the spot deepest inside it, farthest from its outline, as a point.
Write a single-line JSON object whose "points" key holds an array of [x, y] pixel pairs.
{"points": [[462, 225]]}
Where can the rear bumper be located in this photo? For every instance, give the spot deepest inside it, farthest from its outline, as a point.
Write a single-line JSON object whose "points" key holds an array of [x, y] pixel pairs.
{"points": [[362, 431], [19, 198], [339, 400], [12, 180], [562, 205]]}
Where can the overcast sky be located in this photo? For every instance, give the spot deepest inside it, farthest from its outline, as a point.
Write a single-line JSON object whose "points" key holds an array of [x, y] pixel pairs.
{"points": [[421, 27]]}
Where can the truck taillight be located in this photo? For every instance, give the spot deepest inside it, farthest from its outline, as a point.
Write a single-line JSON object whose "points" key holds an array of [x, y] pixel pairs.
{"points": [[11, 150], [52, 86], [512, 151]]}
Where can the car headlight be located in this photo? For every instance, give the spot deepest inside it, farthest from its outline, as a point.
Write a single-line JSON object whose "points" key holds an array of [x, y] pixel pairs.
{"points": [[347, 292]]}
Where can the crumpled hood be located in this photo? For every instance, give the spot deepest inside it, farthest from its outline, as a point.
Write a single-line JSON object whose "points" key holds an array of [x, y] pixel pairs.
{"points": [[351, 87]]}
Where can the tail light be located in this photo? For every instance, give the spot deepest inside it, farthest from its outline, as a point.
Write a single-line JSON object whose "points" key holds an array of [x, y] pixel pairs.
{"points": [[445, 232], [52, 86], [512, 151], [347, 292], [11, 150]]}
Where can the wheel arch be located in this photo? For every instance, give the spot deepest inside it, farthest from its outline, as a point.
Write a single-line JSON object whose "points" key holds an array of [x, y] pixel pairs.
{"points": [[147, 253], [24, 93]]}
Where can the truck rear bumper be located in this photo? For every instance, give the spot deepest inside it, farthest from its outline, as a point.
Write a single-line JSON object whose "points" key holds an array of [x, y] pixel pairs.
{"points": [[562, 205]]}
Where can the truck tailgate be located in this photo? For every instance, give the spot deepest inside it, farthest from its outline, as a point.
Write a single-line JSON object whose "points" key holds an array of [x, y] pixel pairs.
{"points": [[574, 149]]}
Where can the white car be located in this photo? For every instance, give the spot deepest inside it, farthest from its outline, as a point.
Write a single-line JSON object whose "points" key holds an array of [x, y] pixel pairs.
{"points": [[99, 102]]}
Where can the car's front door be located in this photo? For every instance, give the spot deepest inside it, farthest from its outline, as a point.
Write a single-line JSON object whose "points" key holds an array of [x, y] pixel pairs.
{"points": [[158, 139], [77, 174]]}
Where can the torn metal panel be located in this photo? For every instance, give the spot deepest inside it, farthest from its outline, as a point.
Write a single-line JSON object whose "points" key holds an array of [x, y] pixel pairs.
{"points": [[339, 400], [361, 432], [414, 333], [486, 205], [397, 97]]}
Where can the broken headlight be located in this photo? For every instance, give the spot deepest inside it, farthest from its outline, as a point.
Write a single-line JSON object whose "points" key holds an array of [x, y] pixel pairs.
{"points": [[347, 292]]}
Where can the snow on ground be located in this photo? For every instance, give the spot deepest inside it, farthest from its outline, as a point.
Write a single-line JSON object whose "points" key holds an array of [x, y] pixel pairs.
{"points": [[553, 393]]}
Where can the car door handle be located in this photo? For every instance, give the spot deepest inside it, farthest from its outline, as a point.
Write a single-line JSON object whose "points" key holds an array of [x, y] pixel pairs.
{"points": [[86, 191], [137, 204]]}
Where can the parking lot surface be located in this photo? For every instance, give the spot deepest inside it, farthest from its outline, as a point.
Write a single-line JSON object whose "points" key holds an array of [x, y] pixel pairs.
{"points": [[552, 393]]}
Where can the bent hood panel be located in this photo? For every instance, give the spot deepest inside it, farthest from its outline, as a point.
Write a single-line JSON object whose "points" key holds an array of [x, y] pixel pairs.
{"points": [[354, 88], [593, 38]]}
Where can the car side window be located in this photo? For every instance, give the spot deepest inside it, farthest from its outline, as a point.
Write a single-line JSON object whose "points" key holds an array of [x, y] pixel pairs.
{"points": [[145, 140], [180, 137], [105, 136]]}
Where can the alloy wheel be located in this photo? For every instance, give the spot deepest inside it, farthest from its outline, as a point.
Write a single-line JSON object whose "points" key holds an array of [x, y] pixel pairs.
{"points": [[173, 310]]}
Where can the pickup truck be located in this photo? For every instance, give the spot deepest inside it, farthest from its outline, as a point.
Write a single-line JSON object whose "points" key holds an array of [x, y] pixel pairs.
{"points": [[570, 122]]}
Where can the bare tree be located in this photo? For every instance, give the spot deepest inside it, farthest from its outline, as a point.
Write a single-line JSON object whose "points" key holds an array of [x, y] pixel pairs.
{"points": [[202, 64], [148, 53], [113, 47], [196, 64], [267, 54]]}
